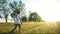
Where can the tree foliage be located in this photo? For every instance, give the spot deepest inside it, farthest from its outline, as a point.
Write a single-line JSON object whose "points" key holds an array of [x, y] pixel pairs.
{"points": [[24, 19], [35, 17], [16, 5], [5, 13]]}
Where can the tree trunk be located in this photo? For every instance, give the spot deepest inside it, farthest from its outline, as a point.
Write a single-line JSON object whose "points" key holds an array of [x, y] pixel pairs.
{"points": [[6, 18]]}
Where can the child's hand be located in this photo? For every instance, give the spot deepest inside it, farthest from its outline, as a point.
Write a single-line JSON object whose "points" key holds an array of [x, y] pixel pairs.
{"points": [[21, 23]]}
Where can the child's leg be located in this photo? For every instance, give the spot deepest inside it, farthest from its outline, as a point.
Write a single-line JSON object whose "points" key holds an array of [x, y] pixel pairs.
{"points": [[13, 29], [19, 28]]}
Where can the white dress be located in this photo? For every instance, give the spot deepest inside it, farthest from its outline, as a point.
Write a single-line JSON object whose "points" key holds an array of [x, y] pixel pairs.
{"points": [[17, 19]]}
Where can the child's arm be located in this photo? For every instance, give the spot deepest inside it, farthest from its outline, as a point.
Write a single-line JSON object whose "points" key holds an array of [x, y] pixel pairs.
{"points": [[21, 20]]}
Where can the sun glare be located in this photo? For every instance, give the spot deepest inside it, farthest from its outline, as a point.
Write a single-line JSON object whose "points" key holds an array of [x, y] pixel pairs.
{"points": [[49, 10]]}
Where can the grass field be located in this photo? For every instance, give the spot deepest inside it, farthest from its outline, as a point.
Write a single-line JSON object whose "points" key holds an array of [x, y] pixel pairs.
{"points": [[32, 28]]}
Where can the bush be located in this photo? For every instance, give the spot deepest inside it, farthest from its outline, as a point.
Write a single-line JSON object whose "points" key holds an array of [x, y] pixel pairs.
{"points": [[24, 19]]}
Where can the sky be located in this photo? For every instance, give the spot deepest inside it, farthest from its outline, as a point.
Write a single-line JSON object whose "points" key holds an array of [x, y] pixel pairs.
{"points": [[49, 10]]}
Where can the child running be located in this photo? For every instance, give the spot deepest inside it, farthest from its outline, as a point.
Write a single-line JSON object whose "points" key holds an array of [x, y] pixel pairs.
{"points": [[17, 22]]}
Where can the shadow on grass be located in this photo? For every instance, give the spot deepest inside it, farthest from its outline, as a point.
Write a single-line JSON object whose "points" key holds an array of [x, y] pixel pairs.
{"points": [[7, 33], [4, 33]]}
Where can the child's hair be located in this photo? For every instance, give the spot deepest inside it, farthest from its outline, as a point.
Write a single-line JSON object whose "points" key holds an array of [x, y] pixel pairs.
{"points": [[17, 11]]}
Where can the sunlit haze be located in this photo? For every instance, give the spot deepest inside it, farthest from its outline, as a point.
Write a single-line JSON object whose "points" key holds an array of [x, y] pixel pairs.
{"points": [[49, 10]]}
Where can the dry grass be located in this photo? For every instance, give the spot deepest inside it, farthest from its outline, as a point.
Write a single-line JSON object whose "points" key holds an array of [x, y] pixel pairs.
{"points": [[32, 28]]}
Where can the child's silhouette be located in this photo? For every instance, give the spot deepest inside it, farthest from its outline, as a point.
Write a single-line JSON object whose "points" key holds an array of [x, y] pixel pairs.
{"points": [[17, 21]]}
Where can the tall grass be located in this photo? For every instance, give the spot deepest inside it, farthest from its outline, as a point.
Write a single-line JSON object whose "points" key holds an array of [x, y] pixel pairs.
{"points": [[32, 28]]}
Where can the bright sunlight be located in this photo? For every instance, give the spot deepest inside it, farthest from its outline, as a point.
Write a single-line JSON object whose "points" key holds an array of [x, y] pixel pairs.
{"points": [[49, 10]]}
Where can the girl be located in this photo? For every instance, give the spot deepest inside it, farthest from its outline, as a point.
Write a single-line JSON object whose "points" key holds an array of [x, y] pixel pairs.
{"points": [[17, 22]]}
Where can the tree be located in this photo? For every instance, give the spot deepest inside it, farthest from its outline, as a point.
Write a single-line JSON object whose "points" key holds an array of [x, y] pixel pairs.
{"points": [[5, 13], [17, 5], [35, 17], [4, 9], [24, 19]]}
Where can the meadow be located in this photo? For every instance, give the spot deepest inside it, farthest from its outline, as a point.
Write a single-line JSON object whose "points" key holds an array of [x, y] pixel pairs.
{"points": [[32, 28]]}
